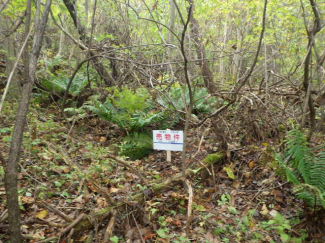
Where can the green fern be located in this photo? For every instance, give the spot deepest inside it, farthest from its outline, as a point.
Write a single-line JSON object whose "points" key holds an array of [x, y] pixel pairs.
{"points": [[304, 169], [132, 111], [302, 157], [103, 110], [59, 84], [137, 145], [203, 102]]}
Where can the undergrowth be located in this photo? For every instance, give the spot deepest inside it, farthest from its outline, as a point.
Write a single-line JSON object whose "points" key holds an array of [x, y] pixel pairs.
{"points": [[304, 168]]}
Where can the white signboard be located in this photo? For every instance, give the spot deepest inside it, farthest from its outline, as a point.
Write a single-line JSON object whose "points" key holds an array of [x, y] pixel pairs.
{"points": [[168, 140]]}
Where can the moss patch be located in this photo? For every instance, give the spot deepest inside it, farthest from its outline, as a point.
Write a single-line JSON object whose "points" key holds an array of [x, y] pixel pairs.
{"points": [[213, 158]]}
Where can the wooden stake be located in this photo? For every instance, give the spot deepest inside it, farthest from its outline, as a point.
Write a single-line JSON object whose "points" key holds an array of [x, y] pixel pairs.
{"points": [[169, 153]]}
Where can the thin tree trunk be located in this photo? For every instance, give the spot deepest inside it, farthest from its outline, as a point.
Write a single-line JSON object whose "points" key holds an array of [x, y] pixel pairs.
{"points": [[87, 11], [11, 172], [61, 42], [309, 100], [99, 67], [221, 70], [200, 51]]}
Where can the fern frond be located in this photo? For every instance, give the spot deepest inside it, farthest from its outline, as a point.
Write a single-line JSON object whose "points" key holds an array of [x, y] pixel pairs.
{"points": [[317, 175], [302, 158], [291, 177], [104, 111], [305, 169], [311, 194]]}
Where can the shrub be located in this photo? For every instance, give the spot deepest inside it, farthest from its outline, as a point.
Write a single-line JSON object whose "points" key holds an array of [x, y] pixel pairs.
{"points": [[134, 112], [55, 78], [130, 110], [304, 168], [137, 145], [203, 102]]}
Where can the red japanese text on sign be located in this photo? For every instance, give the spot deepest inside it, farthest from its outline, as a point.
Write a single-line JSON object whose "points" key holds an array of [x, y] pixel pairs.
{"points": [[176, 137], [167, 137], [159, 136]]}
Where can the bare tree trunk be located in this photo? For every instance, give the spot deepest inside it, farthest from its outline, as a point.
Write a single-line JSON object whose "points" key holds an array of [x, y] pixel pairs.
{"points": [[101, 70], [170, 36], [172, 16], [200, 51], [87, 11], [224, 41], [309, 101], [311, 32], [11, 172], [61, 41], [9, 50]]}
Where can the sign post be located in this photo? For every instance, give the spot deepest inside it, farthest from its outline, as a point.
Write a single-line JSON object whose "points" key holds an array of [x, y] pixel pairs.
{"points": [[168, 140], [169, 153]]}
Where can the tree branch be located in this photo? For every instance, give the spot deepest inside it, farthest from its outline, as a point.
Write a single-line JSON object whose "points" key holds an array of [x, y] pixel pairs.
{"points": [[4, 5], [243, 82]]}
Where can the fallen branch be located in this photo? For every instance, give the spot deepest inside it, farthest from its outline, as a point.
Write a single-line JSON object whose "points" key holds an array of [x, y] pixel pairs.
{"points": [[4, 216], [139, 197], [109, 229], [47, 240], [67, 229], [56, 211], [135, 171], [64, 155], [51, 223]]}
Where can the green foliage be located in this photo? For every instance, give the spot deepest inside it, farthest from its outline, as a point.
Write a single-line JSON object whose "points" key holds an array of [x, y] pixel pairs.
{"points": [[130, 100], [246, 229], [137, 145], [59, 84], [282, 227], [130, 110], [304, 168], [114, 239], [212, 158], [55, 77], [178, 96], [224, 200]]}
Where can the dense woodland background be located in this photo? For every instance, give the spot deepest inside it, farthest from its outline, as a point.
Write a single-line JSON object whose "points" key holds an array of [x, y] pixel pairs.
{"points": [[84, 82]]}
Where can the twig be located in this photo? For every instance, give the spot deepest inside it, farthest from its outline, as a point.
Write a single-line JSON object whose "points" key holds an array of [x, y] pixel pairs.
{"points": [[27, 174], [51, 223], [102, 191], [137, 172], [109, 229], [47, 240], [77, 42], [69, 237], [4, 216], [137, 227], [56, 211], [14, 68], [201, 141], [67, 229]]}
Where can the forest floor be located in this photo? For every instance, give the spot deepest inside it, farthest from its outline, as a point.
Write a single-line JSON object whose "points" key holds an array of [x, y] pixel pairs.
{"points": [[65, 173]]}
